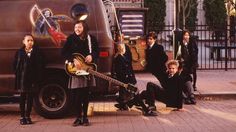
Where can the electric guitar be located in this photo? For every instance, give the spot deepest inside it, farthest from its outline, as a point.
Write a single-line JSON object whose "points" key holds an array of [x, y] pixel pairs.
{"points": [[91, 68]]}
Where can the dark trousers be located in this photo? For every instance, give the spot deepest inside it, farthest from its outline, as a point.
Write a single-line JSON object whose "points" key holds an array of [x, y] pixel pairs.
{"points": [[155, 92], [126, 98], [82, 98], [26, 103], [138, 100], [188, 90], [194, 78]]}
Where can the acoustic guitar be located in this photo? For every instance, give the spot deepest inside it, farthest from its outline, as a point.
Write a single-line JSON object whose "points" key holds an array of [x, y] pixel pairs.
{"points": [[91, 68]]}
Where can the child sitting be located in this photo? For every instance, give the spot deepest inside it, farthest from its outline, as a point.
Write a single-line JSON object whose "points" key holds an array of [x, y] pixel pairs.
{"points": [[124, 73], [171, 91]]}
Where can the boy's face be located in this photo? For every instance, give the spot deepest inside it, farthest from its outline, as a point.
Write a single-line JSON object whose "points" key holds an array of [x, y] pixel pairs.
{"points": [[28, 42], [150, 40], [172, 69], [186, 37]]}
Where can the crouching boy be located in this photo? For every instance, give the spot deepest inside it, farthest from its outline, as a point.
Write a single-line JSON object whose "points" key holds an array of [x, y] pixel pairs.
{"points": [[171, 91]]}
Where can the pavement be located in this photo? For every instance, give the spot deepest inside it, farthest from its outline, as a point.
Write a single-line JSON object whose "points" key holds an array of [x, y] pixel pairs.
{"points": [[210, 83], [211, 113]]}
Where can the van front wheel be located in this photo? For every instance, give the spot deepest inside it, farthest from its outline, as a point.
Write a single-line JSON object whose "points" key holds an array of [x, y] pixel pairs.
{"points": [[52, 100]]}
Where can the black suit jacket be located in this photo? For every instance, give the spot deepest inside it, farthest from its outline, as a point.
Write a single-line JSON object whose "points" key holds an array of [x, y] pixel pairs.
{"points": [[124, 70], [189, 56], [174, 90], [156, 59], [28, 70], [75, 45]]}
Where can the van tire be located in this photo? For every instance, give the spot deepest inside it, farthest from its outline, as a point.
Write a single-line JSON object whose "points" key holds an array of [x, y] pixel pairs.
{"points": [[52, 99]]}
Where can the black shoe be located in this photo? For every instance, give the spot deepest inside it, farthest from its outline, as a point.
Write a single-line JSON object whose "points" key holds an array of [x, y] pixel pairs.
{"points": [[152, 107], [187, 101], [150, 113], [125, 107], [23, 121], [193, 101], [117, 106], [120, 107], [194, 88], [28, 120], [78, 122], [86, 122]]}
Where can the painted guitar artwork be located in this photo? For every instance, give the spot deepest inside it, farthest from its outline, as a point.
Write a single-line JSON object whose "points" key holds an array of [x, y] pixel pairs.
{"points": [[90, 68]]}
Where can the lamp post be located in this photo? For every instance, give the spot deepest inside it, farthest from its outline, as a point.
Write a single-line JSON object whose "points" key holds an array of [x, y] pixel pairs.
{"points": [[176, 31]]}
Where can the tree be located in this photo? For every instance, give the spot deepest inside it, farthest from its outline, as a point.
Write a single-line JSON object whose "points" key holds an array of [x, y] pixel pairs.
{"points": [[155, 15], [188, 14], [215, 14]]}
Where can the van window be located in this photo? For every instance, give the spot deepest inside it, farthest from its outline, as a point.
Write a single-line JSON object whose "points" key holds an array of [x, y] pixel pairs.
{"points": [[79, 12]]}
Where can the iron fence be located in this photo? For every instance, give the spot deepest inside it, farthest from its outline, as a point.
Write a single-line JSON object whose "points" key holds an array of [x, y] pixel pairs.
{"points": [[215, 50]]}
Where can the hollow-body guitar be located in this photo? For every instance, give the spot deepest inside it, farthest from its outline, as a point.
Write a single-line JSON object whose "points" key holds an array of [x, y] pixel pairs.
{"points": [[91, 68]]}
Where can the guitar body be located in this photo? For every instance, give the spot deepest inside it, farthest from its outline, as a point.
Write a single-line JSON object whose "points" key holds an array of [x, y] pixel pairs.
{"points": [[73, 71]]}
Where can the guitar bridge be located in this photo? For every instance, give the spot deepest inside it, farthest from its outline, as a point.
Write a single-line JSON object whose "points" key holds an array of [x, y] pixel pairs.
{"points": [[81, 72]]}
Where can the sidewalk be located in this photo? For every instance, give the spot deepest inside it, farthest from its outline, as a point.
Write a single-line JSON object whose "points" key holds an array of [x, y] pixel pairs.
{"points": [[210, 82], [206, 116]]}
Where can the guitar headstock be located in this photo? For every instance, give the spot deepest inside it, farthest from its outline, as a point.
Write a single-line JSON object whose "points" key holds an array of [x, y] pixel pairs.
{"points": [[131, 88]]}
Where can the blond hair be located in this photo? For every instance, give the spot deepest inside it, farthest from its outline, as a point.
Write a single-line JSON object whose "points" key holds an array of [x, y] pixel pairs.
{"points": [[172, 62], [120, 49]]}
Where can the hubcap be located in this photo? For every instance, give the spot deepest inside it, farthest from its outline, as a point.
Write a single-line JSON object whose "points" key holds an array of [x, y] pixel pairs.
{"points": [[52, 97]]}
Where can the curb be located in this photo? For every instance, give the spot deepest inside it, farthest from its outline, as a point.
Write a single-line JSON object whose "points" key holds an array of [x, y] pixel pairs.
{"points": [[215, 96], [199, 96]]}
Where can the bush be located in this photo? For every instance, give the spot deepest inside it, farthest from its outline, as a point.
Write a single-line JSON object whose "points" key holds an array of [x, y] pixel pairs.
{"points": [[156, 14]]}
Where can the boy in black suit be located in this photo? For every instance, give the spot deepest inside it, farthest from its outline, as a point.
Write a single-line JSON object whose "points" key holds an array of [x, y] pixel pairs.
{"points": [[28, 66], [171, 91], [155, 57]]}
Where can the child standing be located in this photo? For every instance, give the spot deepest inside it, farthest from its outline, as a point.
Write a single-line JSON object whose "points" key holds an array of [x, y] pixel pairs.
{"points": [[187, 55], [80, 41], [28, 66]]}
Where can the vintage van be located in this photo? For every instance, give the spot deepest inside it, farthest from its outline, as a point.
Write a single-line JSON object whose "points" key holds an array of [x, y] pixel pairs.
{"points": [[50, 22]]}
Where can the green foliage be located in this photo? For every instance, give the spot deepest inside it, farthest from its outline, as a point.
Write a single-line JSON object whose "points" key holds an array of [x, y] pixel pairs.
{"points": [[215, 13], [191, 12], [156, 14]]}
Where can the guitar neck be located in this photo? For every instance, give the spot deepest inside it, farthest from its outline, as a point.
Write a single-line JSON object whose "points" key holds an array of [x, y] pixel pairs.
{"points": [[100, 75]]}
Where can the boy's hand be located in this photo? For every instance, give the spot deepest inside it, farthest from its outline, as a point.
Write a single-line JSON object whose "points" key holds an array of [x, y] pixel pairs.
{"points": [[88, 58], [77, 64]]}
